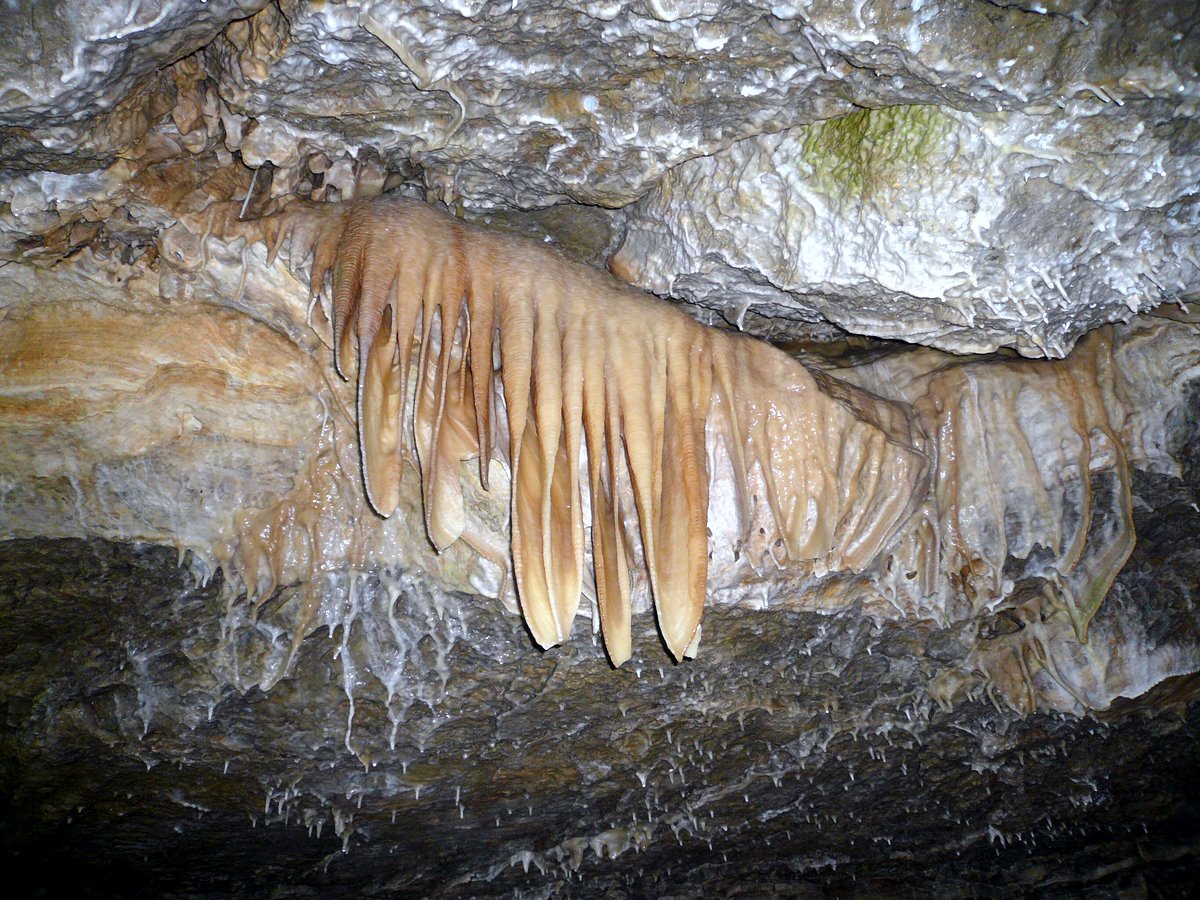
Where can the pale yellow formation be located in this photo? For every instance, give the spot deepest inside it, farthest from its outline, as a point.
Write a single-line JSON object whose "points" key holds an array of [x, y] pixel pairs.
{"points": [[463, 340], [133, 424], [987, 419], [1029, 467], [633, 453]]}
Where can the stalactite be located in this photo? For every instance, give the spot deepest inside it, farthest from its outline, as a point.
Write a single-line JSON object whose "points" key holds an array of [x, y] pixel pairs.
{"points": [[468, 344]]}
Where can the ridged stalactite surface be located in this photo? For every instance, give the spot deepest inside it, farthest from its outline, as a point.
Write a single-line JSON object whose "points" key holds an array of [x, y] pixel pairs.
{"points": [[1030, 483], [574, 381], [650, 456]]}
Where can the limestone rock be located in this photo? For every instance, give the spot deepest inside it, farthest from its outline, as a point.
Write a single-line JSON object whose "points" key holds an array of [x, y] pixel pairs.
{"points": [[966, 175], [222, 673], [964, 231]]}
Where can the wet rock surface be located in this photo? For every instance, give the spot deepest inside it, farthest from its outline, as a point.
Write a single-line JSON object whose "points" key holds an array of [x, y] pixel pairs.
{"points": [[932, 225], [800, 753], [967, 175]]}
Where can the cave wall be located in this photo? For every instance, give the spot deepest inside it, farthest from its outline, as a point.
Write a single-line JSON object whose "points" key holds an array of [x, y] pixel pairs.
{"points": [[224, 671]]}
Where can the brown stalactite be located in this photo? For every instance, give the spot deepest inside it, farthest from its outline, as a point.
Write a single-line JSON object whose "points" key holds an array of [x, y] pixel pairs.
{"points": [[589, 366]]}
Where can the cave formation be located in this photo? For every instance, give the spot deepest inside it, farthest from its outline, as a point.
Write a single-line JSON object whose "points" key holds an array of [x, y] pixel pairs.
{"points": [[322, 426]]}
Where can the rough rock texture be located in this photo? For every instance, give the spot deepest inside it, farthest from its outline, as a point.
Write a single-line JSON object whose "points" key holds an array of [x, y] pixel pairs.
{"points": [[967, 231], [984, 175], [221, 673], [798, 754]]}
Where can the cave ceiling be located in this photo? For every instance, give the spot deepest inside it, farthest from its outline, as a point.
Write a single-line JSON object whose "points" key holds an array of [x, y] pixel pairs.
{"points": [[600, 448]]}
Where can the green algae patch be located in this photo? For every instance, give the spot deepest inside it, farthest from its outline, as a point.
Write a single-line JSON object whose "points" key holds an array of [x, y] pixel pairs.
{"points": [[870, 151]]}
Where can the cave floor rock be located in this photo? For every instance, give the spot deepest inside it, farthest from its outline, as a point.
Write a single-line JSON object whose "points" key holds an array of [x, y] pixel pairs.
{"points": [[798, 755]]}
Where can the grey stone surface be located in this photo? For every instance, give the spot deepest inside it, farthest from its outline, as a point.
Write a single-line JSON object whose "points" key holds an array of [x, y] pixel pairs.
{"points": [[1028, 176], [68, 67], [963, 231], [423, 747]]}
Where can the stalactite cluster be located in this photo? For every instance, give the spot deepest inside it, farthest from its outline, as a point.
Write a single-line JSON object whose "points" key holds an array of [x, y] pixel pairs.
{"points": [[648, 455], [609, 407]]}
